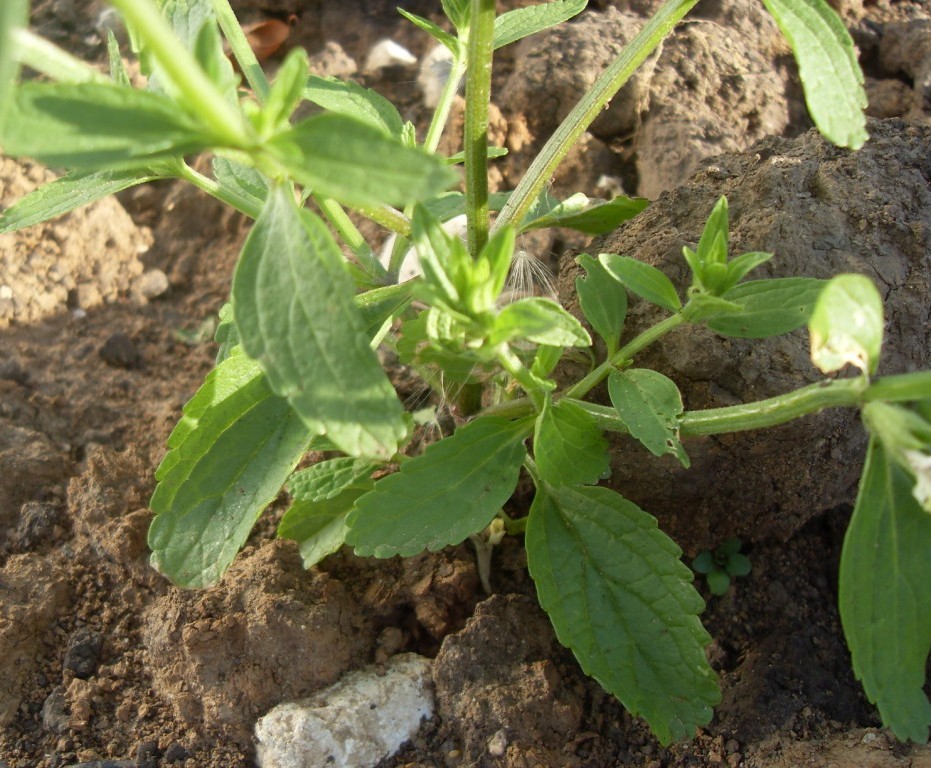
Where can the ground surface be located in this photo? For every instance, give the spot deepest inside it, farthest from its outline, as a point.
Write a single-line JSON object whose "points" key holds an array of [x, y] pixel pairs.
{"points": [[105, 325]]}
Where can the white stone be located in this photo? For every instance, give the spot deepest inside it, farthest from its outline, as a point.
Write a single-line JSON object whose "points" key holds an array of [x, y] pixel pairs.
{"points": [[387, 53], [354, 723], [435, 70]]}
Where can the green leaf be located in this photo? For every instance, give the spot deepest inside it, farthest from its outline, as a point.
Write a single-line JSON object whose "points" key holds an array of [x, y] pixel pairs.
{"points": [[540, 321], [457, 11], [351, 99], [846, 325], [319, 527], [603, 301], [226, 334], [650, 405], [523, 22], [568, 446], [209, 53], [14, 14], [621, 599], [70, 192], [96, 125], [885, 602], [769, 307], [491, 154], [643, 279], [287, 90], [452, 490], [828, 68], [357, 164], [704, 563], [244, 187], [740, 266], [438, 33], [593, 217], [293, 302], [187, 18], [738, 565], [328, 479], [118, 72], [451, 204], [713, 247], [228, 458], [718, 582]]}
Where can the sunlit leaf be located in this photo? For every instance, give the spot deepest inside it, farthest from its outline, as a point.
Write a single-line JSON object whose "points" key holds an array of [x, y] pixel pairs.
{"points": [[621, 599]]}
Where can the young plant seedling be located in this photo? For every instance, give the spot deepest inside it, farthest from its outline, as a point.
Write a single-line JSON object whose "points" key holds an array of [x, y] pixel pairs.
{"points": [[310, 302], [721, 565]]}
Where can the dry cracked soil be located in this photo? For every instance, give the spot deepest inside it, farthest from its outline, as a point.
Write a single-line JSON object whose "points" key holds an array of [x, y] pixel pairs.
{"points": [[106, 319]]}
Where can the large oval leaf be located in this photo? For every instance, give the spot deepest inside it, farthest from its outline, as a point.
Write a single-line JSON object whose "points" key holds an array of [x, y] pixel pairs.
{"points": [[619, 596], [293, 304]]}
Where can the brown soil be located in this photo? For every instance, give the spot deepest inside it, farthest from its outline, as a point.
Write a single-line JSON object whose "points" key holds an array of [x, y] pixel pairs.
{"points": [[105, 331]]}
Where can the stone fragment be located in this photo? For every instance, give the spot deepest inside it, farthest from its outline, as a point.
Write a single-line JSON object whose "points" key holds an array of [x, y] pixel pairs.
{"points": [[354, 723]]}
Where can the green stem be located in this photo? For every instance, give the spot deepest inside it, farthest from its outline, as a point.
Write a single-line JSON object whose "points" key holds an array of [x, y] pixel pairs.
{"points": [[591, 105], [184, 74], [389, 218], [39, 54], [624, 355], [212, 188], [475, 140], [904, 387], [241, 50], [519, 372], [447, 97], [351, 235]]}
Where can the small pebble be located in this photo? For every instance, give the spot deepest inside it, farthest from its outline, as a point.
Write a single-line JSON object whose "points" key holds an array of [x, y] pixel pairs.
{"points": [[175, 753], [120, 352], [153, 284], [54, 716], [83, 654], [147, 755]]}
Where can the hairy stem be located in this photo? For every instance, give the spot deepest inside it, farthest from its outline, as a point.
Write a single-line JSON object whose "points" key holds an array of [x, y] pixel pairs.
{"points": [[478, 94]]}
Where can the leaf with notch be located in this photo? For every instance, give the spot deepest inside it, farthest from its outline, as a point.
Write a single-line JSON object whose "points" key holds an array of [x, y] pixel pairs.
{"points": [[453, 489], [603, 300], [228, 458], [568, 445], [769, 307], [351, 99], [73, 191], [621, 599], [650, 405], [828, 68], [98, 126], [523, 22], [885, 603], [643, 279], [357, 164], [846, 326], [293, 303]]}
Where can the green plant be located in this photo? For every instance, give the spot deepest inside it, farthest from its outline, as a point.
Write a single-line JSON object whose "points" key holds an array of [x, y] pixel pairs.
{"points": [[722, 564], [297, 370]]}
